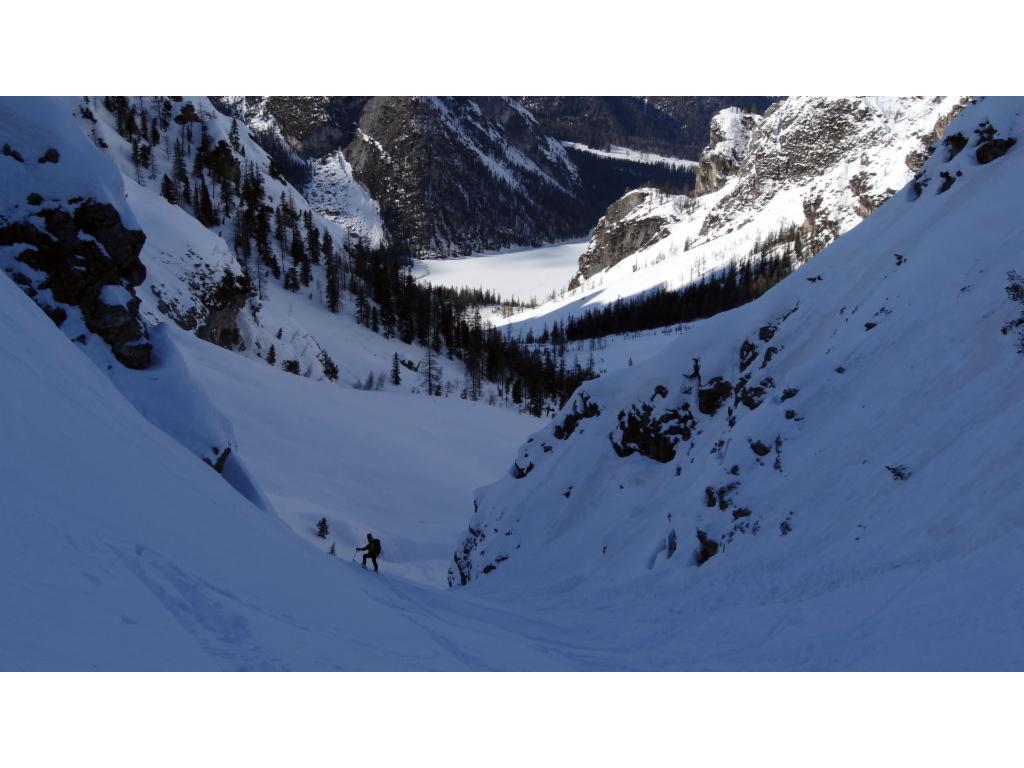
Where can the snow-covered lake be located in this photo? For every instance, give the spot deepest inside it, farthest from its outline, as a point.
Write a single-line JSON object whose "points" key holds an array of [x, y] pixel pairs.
{"points": [[523, 274]]}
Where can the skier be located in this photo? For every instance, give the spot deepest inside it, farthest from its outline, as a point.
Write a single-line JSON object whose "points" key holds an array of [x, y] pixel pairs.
{"points": [[372, 550]]}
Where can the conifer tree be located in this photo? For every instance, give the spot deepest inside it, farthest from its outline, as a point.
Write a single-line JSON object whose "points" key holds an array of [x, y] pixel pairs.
{"points": [[298, 250], [313, 244], [207, 214], [430, 373], [332, 551], [330, 369], [272, 356], [333, 287], [396, 374], [322, 528], [168, 191], [327, 245]]}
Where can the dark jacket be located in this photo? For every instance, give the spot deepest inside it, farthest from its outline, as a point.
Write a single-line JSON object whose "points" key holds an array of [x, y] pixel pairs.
{"points": [[372, 548]]}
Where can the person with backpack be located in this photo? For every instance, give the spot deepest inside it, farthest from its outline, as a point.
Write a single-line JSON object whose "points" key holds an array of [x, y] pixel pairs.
{"points": [[371, 551]]}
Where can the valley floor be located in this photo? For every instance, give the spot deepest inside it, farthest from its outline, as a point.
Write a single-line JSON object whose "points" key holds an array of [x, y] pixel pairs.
{"points": [[529, 274]]}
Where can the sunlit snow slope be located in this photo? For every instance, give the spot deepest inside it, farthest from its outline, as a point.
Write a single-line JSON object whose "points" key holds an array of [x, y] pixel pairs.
{"points": [[827, 474], [812, 166]]}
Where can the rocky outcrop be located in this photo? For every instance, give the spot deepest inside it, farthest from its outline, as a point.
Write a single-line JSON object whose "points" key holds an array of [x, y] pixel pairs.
{"points": [[89, 260], [312, 126], [727, 149], [989, 147], [830, 148], [656, 437], [621, 232], [222, 305]]}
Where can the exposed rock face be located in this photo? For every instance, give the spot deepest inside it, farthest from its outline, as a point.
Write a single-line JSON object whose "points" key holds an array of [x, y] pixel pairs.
{"points": [[783, 184], [457, 174], [989, 147], [222, 306], [91, 261], [829, 147], [640, 431], [727, 148], [621, 231], [312, 126]]}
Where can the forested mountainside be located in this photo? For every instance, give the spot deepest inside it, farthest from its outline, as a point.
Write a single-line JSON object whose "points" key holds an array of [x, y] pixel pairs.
{"points": [[440, 176], [675, 126], [206, 233], [825, 465]]}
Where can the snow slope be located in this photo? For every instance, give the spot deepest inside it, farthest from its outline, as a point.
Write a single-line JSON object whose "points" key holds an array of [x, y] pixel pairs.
{"points": [[849, 450], [123, 551], [403, 466], [879, 529], [334, 193], [817, 164]]}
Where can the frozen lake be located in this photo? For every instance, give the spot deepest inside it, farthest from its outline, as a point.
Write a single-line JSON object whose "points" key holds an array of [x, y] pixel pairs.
{"points": [[523, 274]]}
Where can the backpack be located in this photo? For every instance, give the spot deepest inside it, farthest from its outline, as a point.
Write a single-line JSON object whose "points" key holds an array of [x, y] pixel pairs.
{"points": [[377, 549]]}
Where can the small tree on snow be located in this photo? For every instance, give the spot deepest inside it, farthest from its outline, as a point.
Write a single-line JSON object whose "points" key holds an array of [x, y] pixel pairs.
{"points": [[330, 368], [396, 375], [430, 373], [322, 529], [332, 551]]}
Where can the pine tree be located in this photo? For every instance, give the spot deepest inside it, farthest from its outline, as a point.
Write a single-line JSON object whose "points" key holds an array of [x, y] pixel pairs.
{"points": [[233, 135], [430, 373], [322, 528], [332, 551], [313, 243], [207, 215], [333, 287], [362, 306], [136, 161], [330, 369], [168, 190], [180, 171], [291, 280], [298, 250], [272, 356], [327, 245]]}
